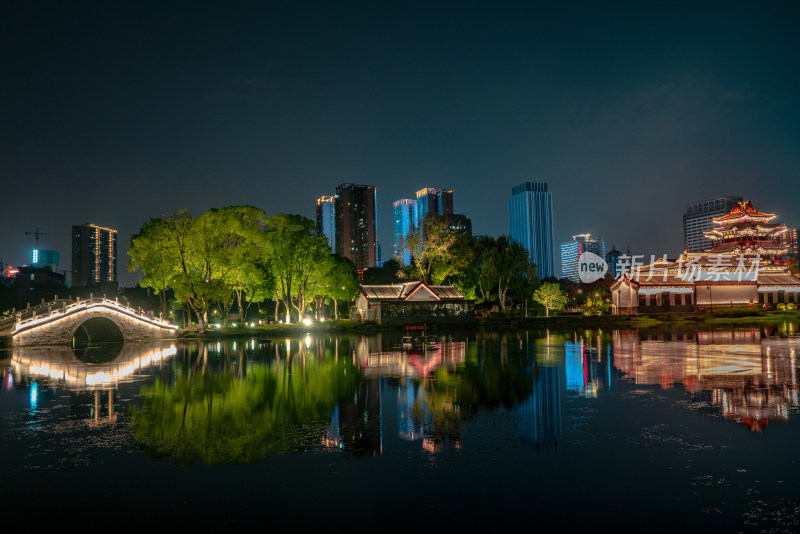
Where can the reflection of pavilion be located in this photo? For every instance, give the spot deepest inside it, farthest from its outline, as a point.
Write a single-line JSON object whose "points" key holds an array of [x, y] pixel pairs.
{"points": [[415, 363], [357, 426], [751, 378]]}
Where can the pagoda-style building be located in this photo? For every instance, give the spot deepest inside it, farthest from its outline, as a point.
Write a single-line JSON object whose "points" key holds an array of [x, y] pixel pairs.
{"points": [[745, 230], [746, 265]]}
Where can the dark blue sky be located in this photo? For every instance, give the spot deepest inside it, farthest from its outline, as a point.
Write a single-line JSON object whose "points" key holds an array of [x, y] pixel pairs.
{"points": [[113, 114]]}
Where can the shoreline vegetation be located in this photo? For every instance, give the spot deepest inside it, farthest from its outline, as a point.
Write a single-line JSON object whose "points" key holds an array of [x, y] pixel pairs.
{"points": [[724, 318]]}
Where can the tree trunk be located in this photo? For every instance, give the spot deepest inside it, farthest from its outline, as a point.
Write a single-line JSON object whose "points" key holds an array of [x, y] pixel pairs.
{"points": [[501, 295], [163, 295], [336, 309], [201, 325]]}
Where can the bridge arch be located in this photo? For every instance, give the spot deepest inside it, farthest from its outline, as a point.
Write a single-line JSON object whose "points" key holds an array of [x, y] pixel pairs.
{"points": [[97, 329], [92, 320]]}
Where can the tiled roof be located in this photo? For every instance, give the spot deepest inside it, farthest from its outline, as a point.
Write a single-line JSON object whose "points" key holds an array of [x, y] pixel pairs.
{"points": [[679, 273], [743, 209], [404, 290]]}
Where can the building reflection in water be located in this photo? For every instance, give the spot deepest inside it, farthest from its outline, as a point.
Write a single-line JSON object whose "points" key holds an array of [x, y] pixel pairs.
{"points": [[357, 427], [539, 416], [587, 369], [751, 377]]}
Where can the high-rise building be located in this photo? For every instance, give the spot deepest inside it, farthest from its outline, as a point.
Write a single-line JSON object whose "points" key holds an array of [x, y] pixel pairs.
{"points": [[404, 213], [790, 240], [571, 252], [41, 258], [612, 259], [697, 220], [94, 255], [459, 223], [326, 220], [434, 201], [357, 224], [530, 212]]}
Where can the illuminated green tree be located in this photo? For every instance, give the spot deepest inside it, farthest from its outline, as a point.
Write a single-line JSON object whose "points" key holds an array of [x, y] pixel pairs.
{"points": [[152, 252], [434, 254], [550, 296], [338, 282], [204, 259], [296, 255]]}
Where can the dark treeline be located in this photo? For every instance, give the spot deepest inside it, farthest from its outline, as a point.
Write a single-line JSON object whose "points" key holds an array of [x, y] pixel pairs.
{"points": [[236, 262]]}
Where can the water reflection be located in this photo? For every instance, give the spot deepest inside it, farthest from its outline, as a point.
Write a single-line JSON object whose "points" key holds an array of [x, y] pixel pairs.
{"points": [[63, 368], [751, 377], [240, 401]]}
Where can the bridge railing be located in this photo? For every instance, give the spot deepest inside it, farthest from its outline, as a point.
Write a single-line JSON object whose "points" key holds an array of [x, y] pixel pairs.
{"points": [[63, 306]]}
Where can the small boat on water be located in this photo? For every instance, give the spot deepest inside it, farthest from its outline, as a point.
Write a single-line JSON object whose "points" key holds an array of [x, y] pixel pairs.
{"points": [[418, 342]]}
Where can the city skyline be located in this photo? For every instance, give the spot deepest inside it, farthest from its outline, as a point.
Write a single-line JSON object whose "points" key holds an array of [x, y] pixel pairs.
{"points": [[629, 112]]}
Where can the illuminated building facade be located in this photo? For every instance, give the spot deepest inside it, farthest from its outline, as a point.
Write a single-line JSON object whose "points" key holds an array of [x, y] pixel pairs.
{"points": [[434, 202], [94, 255], [571, 252], [746, 264], [530, 211], [356, 215], [42, 258], [404, 214], [326, 220], [698, 219]]}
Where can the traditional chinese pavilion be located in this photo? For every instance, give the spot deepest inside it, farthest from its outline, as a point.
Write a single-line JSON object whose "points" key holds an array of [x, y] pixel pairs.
{"points": [[746, 265], [411, 303]]}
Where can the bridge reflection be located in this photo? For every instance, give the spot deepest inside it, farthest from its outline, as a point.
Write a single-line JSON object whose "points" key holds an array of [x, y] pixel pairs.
{"points": [[60, 367]]}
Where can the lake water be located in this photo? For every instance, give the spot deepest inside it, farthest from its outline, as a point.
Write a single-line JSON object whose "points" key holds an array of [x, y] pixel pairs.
{"points": [[645, 431]]}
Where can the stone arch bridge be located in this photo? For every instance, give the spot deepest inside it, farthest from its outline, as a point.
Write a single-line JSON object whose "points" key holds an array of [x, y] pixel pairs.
{"points": [[97, 319]]}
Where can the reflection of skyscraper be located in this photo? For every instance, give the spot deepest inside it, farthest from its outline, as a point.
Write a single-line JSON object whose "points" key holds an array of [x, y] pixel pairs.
{"points": [[573, 362], [530, 210], [539, 416], [360, 421]]}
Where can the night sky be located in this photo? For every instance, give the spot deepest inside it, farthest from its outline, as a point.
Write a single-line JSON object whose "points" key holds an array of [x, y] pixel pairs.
{"points": [[113, 113]]}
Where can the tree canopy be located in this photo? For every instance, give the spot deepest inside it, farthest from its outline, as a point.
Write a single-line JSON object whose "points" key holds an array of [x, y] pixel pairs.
{"points": [[238, 255]]}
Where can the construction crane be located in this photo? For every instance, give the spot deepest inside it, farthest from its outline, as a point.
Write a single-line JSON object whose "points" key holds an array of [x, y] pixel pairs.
{"points": [[38, 234]]}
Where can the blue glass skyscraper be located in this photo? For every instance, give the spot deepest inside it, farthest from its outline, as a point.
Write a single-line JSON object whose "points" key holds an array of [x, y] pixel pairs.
{"points": [[405, 221], [326, 220], [530, 213]]}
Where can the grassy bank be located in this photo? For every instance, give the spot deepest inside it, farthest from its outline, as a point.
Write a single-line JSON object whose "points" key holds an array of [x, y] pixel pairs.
{"points": [[571, 321]]}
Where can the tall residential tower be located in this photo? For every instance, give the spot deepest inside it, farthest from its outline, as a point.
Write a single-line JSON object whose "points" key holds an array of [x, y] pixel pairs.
{"points": [[357, 224], [94, 255], [530, 212]]}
